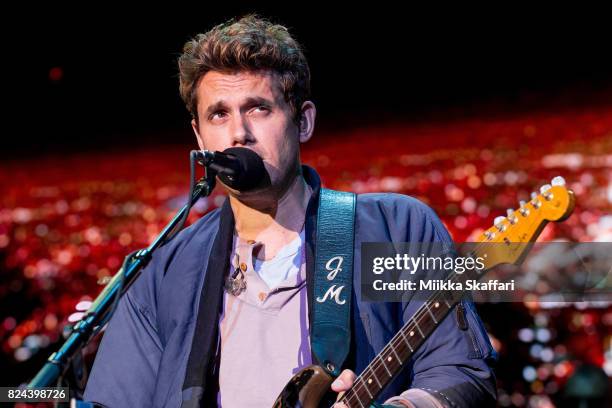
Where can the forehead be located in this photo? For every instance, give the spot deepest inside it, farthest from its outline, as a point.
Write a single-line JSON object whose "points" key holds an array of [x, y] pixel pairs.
{"points": [[218, 86]]}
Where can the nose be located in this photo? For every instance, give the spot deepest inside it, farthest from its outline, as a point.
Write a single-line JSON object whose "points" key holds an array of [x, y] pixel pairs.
{"points": [[240, 132]]}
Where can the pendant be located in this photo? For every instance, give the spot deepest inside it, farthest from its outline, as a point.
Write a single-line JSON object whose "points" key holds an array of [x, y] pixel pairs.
{"points": [[235, 284]]}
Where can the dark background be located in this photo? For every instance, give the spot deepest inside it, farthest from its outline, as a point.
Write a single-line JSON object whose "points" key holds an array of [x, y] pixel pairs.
{"points": [[119, 78]]}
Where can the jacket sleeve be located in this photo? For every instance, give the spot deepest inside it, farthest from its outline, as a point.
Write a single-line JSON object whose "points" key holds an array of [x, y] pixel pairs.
{"points": [[125, 369]]}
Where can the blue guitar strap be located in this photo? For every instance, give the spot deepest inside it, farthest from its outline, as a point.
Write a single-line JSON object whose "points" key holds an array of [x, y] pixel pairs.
{"points": [[333, 279]]}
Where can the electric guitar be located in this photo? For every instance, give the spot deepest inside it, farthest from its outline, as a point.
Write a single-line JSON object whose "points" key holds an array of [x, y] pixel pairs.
{"points": [[512, 235]]}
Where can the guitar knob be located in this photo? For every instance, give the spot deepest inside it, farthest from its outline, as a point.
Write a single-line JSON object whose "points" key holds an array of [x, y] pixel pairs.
{"points": [[545, 188], [534, 196], [522, 203], [558, 181]]}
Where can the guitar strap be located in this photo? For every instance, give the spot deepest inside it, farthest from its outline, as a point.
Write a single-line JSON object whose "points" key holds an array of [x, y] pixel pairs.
{"points": [[333, 279]]}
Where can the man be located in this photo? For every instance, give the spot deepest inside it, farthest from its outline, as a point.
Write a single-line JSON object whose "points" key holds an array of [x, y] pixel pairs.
{"points": [[176, 339]]}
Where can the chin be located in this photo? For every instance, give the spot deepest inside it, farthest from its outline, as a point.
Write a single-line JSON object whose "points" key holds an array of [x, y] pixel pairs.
{"points": [[252, 193], [262, 195]]}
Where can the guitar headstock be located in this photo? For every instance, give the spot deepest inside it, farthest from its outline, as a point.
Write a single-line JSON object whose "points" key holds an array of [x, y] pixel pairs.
{"points": [[513, 234]]}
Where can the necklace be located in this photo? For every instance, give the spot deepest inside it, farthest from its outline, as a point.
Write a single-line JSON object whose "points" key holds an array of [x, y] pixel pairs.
{"points": [[236, 283]]}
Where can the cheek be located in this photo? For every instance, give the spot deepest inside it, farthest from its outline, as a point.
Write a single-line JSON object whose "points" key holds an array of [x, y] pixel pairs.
{"points": [[292, 140], [289, 148], [279, 156], [287, 152], [213, 141], [281, 147]]}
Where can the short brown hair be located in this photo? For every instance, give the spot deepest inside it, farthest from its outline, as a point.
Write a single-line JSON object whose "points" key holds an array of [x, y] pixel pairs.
{"points": [[248, 44]]}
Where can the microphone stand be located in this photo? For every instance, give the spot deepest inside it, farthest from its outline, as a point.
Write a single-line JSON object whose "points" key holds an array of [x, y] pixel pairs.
{"points": [[102, 308]]}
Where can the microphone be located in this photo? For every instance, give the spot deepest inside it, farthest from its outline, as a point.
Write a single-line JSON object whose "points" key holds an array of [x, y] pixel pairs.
{"points": [[237, 167]]}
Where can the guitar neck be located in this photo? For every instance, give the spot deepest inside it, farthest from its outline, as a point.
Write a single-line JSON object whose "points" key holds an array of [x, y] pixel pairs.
{"points": [[402, 346]]}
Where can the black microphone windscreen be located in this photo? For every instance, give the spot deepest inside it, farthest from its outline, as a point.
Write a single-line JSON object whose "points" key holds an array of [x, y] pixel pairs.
{"points": [[253, 173]]}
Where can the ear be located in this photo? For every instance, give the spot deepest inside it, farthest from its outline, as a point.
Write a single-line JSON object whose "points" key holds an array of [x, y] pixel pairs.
{"points": [[308, 114], [196, 130]]}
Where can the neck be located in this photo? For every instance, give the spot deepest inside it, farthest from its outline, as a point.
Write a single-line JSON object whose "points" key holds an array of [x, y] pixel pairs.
{"points": [[275, 222]]}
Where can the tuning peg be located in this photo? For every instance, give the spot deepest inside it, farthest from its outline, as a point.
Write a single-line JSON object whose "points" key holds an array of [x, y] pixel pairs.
{"points": [[558, 181], [545, 188], [522, 203], [499, 223], [534, 199], [511, 216]]}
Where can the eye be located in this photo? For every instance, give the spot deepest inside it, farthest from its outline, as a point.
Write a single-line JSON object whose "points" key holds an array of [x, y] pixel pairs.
{"points": [[217, 115], [261, 109]]}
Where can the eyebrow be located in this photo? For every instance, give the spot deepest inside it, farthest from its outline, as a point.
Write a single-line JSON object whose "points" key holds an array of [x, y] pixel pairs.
{"points": [[249, 102], [217, 106]]}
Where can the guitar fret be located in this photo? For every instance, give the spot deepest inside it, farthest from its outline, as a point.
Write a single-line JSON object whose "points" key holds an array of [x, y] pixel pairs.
{"points": [[366, 388], [358, 400], [406, 341], [430, 313], [447, 304], [418, 328], [376, 378], [395, 352], [385, 365]]}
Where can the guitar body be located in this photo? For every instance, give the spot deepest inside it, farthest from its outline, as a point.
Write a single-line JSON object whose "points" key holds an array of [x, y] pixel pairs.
{"points": [[307, 389]]}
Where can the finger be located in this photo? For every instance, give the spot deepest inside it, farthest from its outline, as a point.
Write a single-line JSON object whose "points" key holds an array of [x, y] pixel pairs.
{"points": [[344, 381]]}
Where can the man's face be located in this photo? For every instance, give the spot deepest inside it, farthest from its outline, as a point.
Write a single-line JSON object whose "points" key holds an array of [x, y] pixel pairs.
{"points": [[248, 109]]}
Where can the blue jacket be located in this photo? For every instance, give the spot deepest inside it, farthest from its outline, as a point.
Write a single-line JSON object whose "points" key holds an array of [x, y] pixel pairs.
{"points": [[143, 357]]}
